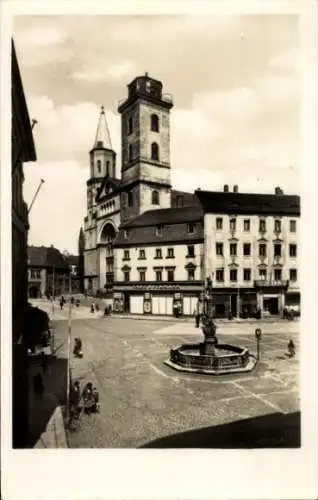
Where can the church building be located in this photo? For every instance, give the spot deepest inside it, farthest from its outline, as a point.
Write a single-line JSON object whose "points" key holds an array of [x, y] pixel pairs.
{"points": [[143, 240], [149, 248]]}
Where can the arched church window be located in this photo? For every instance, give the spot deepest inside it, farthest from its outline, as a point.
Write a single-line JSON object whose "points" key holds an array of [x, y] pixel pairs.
{"points": [[155, 198], [154, 151], [154, 123], [107, 168], [99, 166]]}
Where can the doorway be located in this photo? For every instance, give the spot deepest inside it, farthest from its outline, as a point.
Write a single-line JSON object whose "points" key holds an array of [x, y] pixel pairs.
{"points": [[233, 305], [271, 305], [126, 302]]}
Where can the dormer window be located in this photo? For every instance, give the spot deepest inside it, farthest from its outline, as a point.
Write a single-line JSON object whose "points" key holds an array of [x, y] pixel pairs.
{"points": [[191, 228], [155, 198], [154, 125], [125, 234], [159, 230], [154, 151]]}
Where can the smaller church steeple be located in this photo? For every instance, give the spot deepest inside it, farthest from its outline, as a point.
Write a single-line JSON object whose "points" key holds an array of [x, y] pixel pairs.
{"points": [[102, 156], [102, 138]]}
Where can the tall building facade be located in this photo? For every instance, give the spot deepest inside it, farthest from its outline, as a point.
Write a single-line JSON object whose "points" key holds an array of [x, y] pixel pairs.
{"points": [[23, 150], [149, 247], [251, 251]]}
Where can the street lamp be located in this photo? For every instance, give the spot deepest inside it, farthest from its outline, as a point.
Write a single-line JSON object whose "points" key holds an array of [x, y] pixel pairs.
{"points": [[258, 336]]}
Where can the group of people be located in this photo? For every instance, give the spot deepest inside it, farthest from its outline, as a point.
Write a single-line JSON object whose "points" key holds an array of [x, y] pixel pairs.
{"points": [[89, 396]]}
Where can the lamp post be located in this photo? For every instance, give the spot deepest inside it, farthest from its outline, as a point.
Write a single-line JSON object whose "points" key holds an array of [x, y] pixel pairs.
{"points": [[69, 339], [258, 336]]}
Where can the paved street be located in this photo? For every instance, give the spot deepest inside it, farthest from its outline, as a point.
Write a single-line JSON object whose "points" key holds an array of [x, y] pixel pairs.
{"points": [[143, 400]]}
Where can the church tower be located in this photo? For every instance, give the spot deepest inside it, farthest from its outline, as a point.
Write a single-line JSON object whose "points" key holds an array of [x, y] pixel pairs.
{"points": [[102, 165], [145, 135]]}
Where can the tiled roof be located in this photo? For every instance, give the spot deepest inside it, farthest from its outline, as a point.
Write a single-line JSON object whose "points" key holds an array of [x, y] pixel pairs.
{"points": [[249, 203], [172, 215], [183, 199], [46, 257]]}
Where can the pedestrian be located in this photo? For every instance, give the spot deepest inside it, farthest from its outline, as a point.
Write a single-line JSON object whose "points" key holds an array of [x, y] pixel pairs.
{"points": [[92, 308], [72, 300], [38, 385], [61, 304], [197, 320], [291, 348]]}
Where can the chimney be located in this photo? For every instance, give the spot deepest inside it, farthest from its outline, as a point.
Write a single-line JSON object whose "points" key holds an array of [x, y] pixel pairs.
{"points": [[235, 188], [278, 191], [226, 188]]}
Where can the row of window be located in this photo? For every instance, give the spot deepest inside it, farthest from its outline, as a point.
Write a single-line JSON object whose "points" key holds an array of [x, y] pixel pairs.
{"points": [[154, 124], [154, 152], [35, 274], [247, 274], [158, 253], [158, 275], [108, 206], [262, 225], [191, 227], [262, 249]]}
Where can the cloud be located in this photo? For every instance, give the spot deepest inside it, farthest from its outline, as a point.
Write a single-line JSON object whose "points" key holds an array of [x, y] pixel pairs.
{"points": [[68, 132], [59, 209], [118, 72], [289, 61]]}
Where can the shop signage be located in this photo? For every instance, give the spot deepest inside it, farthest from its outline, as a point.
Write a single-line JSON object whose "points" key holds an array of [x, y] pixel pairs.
{"points": [[156, 287], [117, 295]]}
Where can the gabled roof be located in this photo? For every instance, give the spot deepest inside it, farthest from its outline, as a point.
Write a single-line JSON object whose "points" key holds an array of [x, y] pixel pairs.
{"points": [[172, 215], [115, 184], [183, 199], [46, 257], [248, 203]]}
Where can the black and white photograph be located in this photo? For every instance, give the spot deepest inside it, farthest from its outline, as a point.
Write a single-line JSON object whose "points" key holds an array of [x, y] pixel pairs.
{"points": [[156, 218]]}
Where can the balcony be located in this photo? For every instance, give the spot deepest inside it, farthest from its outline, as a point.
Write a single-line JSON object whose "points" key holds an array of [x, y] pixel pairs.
{"points": [[271, 283]]}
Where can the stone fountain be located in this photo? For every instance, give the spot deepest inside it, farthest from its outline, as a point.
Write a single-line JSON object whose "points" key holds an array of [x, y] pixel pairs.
{"points": [[210, 357]]}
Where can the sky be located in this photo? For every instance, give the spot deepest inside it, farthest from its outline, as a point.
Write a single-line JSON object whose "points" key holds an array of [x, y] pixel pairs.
{"points": [[235, 87]]}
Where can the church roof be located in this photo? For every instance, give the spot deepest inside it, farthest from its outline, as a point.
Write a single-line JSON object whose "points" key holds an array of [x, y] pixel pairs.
{"points": [[174, 215], [102, 137]]}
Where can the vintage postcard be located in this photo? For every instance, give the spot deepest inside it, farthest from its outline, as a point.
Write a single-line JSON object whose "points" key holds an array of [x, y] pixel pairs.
{"points": [[161, 229]]}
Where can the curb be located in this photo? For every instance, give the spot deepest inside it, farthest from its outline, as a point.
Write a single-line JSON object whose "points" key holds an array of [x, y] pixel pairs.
{"points": [[54, 435]]}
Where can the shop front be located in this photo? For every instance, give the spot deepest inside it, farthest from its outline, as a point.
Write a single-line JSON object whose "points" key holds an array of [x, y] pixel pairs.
{"points": [[171, 299]]}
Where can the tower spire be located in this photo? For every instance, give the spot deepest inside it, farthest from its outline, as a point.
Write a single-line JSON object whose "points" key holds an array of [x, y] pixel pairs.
{"points": [[102, 138]]}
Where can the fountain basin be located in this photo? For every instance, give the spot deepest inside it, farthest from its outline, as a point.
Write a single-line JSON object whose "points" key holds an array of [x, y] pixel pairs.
{"points": [[228, 358]]}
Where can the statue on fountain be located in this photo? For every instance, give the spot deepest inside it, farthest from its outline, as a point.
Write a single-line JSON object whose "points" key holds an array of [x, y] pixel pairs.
{"points": [[208, 325]]}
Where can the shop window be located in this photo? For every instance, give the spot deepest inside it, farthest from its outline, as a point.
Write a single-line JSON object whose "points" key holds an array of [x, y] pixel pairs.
{"points": [[293, 274], [233, 275], [246, 249], [219, 275], [247, 274], [154, 123], [292, 250], [219, 248], [219, 223]]}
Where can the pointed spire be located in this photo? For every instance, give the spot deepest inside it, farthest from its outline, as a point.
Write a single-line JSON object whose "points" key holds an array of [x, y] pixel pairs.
{"points": [[102, 138]]}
